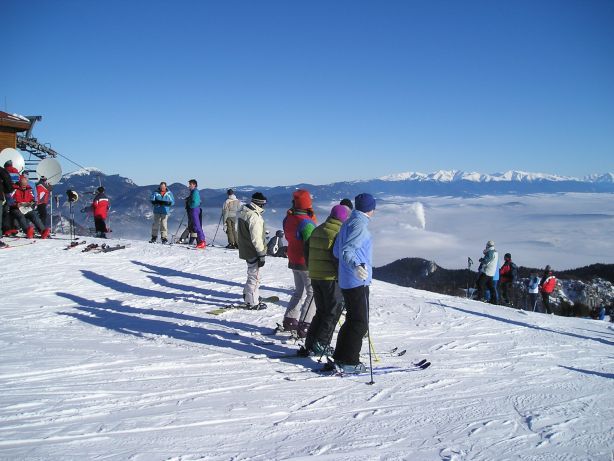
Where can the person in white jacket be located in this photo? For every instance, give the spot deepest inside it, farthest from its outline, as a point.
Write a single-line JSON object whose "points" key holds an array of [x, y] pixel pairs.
{"points": [[229, 217], [252, 248], [488, 267]]}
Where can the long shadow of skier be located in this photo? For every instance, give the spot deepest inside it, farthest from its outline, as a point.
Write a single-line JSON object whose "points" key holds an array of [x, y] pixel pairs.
{"points": [[590, 372], [191, 297], [113, 315], [204, 292], [166, 272], [524, 324]]}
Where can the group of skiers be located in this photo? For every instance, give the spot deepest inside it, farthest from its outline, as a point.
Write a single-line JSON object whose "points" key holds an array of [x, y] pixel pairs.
{"points": [[331, 265], [494, 284], [22, 205]]}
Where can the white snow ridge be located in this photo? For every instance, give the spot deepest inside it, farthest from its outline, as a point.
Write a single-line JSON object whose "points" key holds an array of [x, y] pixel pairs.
{"points": [[114, 356]]}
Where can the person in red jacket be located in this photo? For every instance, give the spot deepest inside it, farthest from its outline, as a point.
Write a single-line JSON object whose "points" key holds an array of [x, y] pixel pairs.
{"points": [[100, 207], [508, 273], [546, 287], [298, 225], [42, 193], [23, 210]]}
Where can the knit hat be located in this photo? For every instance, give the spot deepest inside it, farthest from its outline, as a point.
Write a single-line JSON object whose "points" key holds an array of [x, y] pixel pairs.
{"points": [[258, 199], [365, 202], [302, 199], [548, 268], [100, 189], [490, 243], [340, 212], [347, 202], [507, 256], [230, 192]]}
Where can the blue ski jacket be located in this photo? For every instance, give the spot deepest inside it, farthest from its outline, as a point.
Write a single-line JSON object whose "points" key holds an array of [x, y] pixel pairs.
{"points": [[162, 203], [352, 248]]}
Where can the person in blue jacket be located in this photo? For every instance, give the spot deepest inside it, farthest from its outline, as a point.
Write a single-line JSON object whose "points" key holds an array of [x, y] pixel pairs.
{"points": [[195, 213], [162, 200], [353, 249]]}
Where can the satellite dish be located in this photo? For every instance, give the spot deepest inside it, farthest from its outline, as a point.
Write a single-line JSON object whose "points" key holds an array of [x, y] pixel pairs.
{"points": [[51, 169], [12, 154]]}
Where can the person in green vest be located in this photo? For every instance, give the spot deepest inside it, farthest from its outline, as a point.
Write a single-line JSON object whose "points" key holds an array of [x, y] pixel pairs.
{"points": [[323, 272]]}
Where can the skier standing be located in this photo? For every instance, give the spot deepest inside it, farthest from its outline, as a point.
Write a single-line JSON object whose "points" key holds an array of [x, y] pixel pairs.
{"points": [[229, 218], [42, 193], [6, 188], [162, 200], [252, 248], [507, 275], [353, 248], [488, 269], [324, 275], [299, 223], [546, 286], [100, 207], [195, 212], [533, 290]]}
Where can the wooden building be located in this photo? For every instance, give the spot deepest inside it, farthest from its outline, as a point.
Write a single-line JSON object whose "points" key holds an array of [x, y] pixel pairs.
{"points": [[10, 125]]}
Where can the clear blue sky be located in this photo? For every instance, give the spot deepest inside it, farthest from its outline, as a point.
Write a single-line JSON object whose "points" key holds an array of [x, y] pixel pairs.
{"points": [[279, 92]]}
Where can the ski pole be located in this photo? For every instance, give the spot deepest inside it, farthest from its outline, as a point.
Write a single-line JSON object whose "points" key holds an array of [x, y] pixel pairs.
{"points": [[368, 334], [218, 228], [179, 227]]}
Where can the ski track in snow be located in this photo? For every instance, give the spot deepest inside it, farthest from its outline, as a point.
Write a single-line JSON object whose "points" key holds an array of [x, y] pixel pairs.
{"points": [[113, 356]]}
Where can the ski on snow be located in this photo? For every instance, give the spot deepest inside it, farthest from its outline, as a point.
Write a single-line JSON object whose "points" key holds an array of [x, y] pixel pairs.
{"points": [[221, 310]]}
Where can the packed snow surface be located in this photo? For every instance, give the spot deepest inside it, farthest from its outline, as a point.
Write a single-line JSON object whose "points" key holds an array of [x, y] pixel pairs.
{"points": [[114, 356]]}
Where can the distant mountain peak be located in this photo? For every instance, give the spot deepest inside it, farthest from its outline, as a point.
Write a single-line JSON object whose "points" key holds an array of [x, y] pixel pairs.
{"points": [[84, 172]]}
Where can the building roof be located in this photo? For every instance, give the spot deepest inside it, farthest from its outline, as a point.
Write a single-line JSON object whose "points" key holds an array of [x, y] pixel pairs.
{"points": [[14, 122]]}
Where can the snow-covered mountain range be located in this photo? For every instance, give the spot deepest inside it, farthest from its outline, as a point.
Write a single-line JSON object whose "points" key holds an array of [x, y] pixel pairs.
{"points": [[447, 176]]}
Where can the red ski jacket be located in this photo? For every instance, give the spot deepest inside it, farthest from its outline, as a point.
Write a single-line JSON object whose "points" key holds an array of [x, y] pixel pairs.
{"points": [[23, 196], [100, 206], [548, 285], [43, 194]]}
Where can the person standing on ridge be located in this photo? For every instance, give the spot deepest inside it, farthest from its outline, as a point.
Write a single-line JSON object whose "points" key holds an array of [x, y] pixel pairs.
{"points": [[324, 275], [353, 248], [252, 248], [195, 212], [546, 286], [488, 269], [299, 223], [162, 200], [229, 218], [508, 273], [100, 207]]}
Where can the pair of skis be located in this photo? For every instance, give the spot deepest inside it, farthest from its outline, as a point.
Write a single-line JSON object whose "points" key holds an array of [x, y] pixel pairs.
{"points": [[104, 248], [20, 244], [222, 310]]}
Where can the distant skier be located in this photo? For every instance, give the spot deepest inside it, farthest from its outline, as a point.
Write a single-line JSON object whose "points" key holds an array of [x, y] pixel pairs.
{"points": [[252, 248], [43, 190], [508, 273], [6, 188], [547, 285], [353, 249], [162, 200], [100, 207], [533, 291], [488, 268], [276, 246], [299, 223], [195, 212], [24, 212], [324, 275], [229, 217]]}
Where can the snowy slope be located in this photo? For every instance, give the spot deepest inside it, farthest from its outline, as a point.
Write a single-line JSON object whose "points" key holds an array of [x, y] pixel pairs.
{"points": [[113, 356]]}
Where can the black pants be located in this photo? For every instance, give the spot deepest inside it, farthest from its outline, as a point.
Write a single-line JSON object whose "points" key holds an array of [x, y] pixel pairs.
{"points": [[41, 209], [546, 301], [329, 304], [349, 340], [505, 290], [485, 282], [101, 226], [533, 302]]}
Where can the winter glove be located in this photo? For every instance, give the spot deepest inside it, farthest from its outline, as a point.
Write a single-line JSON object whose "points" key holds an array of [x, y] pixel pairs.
{"points": [[261, 261], [361, 272]]}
